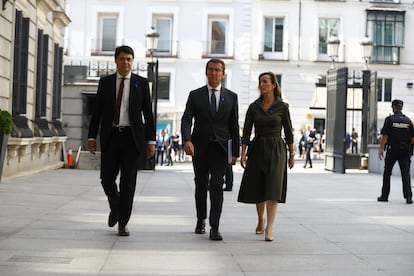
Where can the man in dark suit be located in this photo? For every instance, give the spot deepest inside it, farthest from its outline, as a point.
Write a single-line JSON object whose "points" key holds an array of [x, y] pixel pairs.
{"points": [[214, 110], [122, 100]]}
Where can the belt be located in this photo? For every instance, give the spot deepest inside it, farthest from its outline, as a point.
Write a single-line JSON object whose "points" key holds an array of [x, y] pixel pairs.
{"points": [[121, 129]]}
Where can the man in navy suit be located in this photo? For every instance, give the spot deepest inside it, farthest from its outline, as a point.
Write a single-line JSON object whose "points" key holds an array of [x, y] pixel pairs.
{"points": [[121, 103], [214, 110]]}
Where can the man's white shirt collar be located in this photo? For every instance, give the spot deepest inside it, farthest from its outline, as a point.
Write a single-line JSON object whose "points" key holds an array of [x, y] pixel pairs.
{"points": [[118, 76], [218, 88]]}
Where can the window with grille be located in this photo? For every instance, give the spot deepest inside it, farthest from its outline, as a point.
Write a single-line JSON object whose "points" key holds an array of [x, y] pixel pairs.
{"points": [[41, 73], [20, 63], [386, 29], [57, 81]]}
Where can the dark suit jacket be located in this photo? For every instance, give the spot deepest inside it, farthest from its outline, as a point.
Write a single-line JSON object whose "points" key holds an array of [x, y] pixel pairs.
{"points": [[139, 107], [224, 125]]}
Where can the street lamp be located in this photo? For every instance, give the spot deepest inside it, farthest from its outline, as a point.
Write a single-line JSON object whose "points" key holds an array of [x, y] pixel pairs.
{"points": [[152, 43], [152, 72], [368, 97], [333, 49], [367, 46]]}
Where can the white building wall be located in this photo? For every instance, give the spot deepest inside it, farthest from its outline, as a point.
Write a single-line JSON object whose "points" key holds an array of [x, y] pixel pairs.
{"points": [[299, 65]]}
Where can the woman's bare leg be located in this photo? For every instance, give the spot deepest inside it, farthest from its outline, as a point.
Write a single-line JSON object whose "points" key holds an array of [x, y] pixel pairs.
{"points": [[271, 208], [260, 208]]}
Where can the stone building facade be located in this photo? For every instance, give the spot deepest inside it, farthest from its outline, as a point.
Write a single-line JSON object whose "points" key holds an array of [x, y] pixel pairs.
{"points": [[31, 65]]}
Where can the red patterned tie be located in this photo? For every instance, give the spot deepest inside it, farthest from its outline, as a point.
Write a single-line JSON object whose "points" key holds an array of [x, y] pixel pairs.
{"points": [[118, 102]]}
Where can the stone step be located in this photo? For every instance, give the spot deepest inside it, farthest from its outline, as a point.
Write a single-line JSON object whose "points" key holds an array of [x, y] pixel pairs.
{"points": [[88, 161]]}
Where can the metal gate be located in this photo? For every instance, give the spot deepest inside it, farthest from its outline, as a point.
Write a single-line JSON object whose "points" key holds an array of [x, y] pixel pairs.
{"points": [[336, 99], [372, 110]]}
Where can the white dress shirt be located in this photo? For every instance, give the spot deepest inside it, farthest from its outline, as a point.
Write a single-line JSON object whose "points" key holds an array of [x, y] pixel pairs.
{"points": [[124, 110]]}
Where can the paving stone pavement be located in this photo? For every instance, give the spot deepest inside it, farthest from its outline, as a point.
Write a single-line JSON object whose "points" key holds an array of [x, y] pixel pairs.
{"points": [[54, 223]]}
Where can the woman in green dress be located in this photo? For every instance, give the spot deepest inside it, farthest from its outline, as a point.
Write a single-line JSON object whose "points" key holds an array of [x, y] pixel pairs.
{"points": [[264, 179]]}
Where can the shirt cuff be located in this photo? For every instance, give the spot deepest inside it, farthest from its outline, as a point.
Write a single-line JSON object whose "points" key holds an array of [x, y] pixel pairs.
{"points": [[150, 142]]}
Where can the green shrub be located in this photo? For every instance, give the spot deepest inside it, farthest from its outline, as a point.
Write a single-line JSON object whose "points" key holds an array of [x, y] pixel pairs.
{"points": [[6, 122]]}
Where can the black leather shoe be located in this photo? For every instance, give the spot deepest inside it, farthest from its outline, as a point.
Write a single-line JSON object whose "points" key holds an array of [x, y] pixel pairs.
{"points": [[215, 235], [112, 219], [228, 189], [409, 201], [200, 227], [123, 231], [383, 199]]}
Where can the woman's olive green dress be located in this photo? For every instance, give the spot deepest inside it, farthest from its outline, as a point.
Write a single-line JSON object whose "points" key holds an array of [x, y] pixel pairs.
{"points": [[265, 175]]}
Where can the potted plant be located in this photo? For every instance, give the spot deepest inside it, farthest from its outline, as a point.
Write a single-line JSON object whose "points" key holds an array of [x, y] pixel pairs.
{"points": [[6, 127]]}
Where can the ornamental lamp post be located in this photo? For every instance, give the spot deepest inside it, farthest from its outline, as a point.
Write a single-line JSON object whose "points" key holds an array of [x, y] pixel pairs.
{"points": [[333, 49], [152, 73], [152, 43], [369, 116], [367, 47]]}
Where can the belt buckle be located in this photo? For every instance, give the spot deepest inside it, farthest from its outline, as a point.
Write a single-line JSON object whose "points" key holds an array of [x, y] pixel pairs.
{"points": [[121, 128]]}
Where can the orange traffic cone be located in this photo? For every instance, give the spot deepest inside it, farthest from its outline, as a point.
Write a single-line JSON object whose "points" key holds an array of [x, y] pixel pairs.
{"points": [[70, 158]]}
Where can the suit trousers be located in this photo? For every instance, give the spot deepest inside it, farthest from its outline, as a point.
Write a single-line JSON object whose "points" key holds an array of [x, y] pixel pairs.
{"points": [[209, 168], [121, 156], [229, 176], [404, 160], [308, 155]]}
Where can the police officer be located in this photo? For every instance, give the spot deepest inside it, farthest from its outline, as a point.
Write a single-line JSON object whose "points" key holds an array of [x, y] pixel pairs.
{"points": [[397, 136]]}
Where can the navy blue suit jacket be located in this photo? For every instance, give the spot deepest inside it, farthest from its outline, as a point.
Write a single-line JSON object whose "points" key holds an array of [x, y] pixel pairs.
{"points": [[224, 125]]}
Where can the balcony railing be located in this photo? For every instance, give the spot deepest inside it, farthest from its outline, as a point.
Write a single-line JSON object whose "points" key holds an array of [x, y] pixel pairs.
{"points": [[218, 48], [166, 49], [81, 70], [386, 54]]}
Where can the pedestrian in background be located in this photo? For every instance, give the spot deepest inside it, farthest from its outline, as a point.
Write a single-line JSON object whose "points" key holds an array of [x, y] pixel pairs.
{"points": [[264, 180], [397, 137], [354, 141], [121, 103], [347, 142], [177, 146], [168, 147], [310, 136], [159, 159], [214, 110], [302, 144]]}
